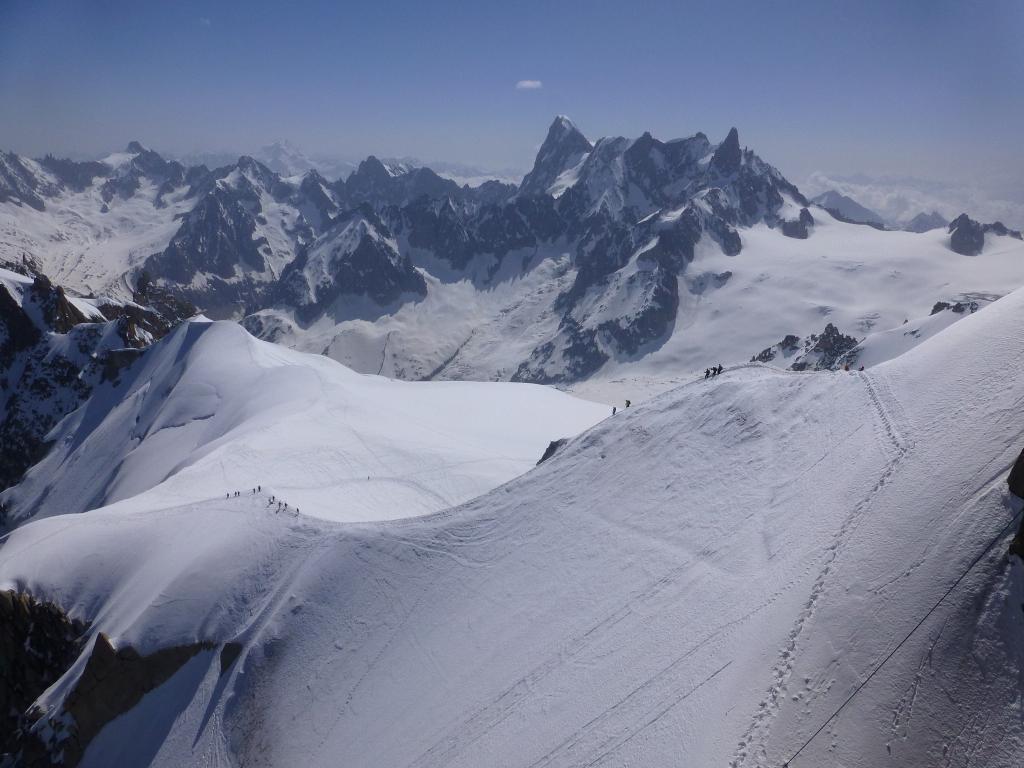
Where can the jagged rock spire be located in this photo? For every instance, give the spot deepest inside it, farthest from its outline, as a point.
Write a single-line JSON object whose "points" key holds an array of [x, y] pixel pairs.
{"points": [[563, 148], [728, 157]]}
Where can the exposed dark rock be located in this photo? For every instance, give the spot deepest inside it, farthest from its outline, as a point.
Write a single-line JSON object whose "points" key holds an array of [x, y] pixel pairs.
{"points": [[998, 228], [228, 655], [563, 148], [966, 236], [355, 257], [126, 180], [789, 345], [38, 644], [553, 447], [799, 228], [926, 222], [379, 184], [847, 209], [21, 185], [77, 176], [112, 682], [1015, 479], [838, 215], [824, 352], [51, 357], [728, 156], [58, 313]]}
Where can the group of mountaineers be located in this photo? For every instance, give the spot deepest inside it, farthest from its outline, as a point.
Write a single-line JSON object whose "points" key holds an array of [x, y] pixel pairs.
{"points": [[282, 506]]}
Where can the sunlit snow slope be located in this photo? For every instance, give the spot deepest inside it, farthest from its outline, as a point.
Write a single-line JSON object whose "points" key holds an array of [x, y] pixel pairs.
{"points": [[210, 410], [700, 581], [730, 307]]}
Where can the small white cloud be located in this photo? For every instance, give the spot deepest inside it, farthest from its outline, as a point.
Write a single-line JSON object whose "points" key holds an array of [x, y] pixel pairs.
{"points": [[204, 21], [529, 85]]}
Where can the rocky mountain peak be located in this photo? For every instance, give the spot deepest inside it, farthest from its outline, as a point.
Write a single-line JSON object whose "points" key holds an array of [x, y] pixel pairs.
{"points": [[372, 168], [728, 156], [563, 148], [925, 222], [966, 236]]}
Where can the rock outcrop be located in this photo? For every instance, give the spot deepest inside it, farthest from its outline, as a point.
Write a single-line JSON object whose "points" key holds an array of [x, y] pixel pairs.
{"points": [[52, 356], [553, 447], [1015, 480], [926, 222], [112, 681], [38, 644], [967, 236], [825, 351]]}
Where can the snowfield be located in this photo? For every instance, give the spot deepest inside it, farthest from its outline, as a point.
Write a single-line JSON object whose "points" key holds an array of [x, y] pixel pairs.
{"points": [[86, 244], [862, 280], [699, 581], [210, 410]]}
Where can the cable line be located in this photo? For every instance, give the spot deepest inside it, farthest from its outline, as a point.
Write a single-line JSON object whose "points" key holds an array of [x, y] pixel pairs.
{"points": [[899, 645]]}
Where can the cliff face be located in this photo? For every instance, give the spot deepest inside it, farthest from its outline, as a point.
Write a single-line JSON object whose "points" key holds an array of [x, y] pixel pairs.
{"points": [[38, 644]]}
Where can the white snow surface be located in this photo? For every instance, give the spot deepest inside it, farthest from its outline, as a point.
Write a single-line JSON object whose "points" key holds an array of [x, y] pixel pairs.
{"points": [[211, 410], [83, 248], [730, 307], [698, 581]]}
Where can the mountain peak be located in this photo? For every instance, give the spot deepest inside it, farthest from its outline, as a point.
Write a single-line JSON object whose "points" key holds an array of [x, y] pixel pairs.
{"points": [[562, 149], [564, 124], [372, 168], [727, 157], [845, 206], [135, 148], [564, 129]]}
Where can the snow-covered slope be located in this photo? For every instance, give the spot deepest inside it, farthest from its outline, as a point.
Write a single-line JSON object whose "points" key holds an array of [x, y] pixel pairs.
{"points": [[86, 243], [699, 581], [729, 307], [210, 410]]}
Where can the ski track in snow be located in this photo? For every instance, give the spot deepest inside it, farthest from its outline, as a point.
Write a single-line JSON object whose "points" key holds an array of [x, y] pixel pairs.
{"points": [[647, 610], [754, 742]]}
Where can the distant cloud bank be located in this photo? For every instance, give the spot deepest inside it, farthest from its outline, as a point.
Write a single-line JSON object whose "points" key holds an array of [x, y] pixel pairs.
{"points": [[898, 200], [529, 85]]}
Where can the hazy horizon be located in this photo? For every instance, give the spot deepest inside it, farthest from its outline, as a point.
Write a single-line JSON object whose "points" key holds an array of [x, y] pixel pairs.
{"points": [[916, 89]]}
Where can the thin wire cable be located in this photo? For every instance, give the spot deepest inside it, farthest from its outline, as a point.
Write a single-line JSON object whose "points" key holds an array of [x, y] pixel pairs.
{"points": [[899, 645]]}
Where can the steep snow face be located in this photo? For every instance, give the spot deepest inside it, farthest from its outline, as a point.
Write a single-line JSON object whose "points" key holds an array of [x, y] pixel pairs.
{"points": [[703, 580], [210, 410]]}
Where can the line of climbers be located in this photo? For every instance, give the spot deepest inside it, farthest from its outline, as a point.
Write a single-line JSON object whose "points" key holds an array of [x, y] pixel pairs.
{"points": [[709, 372], [281, 505]]}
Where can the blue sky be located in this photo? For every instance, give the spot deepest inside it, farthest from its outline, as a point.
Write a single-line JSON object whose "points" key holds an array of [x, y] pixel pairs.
{"points": [[904, 88]]}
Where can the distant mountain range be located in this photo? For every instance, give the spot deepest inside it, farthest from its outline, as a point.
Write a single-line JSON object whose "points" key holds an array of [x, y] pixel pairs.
{"points": [[609, 253], [848, 208]]}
